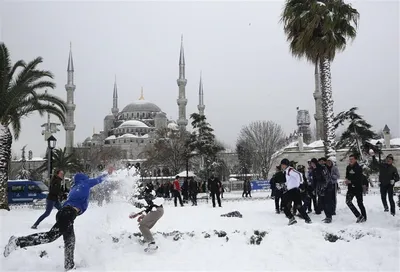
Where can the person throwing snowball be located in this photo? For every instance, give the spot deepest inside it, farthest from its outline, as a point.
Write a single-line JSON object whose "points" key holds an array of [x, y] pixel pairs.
{"points": [[76, 204]]}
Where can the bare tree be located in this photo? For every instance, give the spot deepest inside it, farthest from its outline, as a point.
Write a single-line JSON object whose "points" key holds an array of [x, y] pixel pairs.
{"points": [[168, 150], [263, 139], [95, 158]]}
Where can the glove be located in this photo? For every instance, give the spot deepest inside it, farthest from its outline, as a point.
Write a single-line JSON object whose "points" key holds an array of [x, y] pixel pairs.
{"points": [[392, 182], [140, 218]]}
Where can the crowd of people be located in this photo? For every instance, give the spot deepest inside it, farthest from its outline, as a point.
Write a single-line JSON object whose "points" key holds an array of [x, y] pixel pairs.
{"points": [[297, 189]]}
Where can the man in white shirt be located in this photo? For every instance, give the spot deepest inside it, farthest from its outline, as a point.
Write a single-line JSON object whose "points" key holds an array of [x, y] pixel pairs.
{"points": [[292, 194]]}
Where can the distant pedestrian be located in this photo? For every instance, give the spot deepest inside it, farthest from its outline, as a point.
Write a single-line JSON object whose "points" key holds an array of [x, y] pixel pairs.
{"points": [[177, 192], [53, 198], [193, 191], [214, 185]]}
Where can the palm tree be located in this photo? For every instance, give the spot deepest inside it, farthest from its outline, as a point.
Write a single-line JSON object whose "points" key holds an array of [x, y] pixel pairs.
{"points": [[63, 161], [317, 30], [19, 86]]}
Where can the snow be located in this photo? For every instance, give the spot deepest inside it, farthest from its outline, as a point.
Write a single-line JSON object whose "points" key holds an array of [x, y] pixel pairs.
{"points": [[395, 142], [133, 123], [173, 126], [300, 247], [316, 144], [112, 137]]}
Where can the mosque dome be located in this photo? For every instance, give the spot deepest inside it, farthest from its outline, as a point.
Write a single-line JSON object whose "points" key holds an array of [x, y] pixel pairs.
{"points": [[141, 105], [109, 117], [133, 123]]}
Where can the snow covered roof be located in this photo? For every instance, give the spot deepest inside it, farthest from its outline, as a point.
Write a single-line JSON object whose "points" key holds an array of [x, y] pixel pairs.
{"points": [[316, 144], [36, 159], [395, 142], [112, 137], [133, 123], [173, 125], [128, 135]]}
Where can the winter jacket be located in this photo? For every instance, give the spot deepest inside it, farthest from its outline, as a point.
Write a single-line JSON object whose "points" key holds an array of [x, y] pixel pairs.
{"points": [[79, 194], [193, 187], [278, 180], [293, 178], [177, 185], [55, 191], [151, 201], [214, 185], [335, 175], [387, 172], [354, 173], [322, 179]]}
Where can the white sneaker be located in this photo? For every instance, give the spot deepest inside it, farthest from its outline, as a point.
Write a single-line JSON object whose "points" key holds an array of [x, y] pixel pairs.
{"points": [[151, 247], [11, 246]]}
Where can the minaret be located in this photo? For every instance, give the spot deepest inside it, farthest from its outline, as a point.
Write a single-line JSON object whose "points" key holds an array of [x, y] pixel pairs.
{"points": [[318, 104], [69, 125], [182, 101], [115, 109], [141, 94], [201, 105]]}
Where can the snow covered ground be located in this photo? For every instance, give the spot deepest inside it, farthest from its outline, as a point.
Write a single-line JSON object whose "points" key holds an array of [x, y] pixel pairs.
{"points": [[103, 242]]}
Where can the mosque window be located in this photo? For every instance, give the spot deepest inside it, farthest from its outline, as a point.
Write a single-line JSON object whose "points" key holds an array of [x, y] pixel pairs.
{"points": [[137, 115]]}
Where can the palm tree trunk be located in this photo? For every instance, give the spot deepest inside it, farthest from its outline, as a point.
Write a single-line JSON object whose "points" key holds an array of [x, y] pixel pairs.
{"points": [[5, 157], [327, 106]]}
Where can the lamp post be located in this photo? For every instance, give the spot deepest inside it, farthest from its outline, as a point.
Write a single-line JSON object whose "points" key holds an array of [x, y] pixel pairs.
{"points": [[379, 145], [51, 144]]}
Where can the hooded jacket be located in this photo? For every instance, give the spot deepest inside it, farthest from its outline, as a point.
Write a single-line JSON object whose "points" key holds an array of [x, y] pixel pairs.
{"points": [[78, 196]]}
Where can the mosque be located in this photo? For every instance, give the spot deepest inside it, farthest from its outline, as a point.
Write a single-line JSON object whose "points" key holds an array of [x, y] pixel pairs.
{"points": [[133, 127]]}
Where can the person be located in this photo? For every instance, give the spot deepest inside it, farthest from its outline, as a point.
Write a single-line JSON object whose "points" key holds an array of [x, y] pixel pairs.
{"points": [[292, 192], [335, 175], [150, 216], [311, 190], [185, 191], [354, 181], [245, 189], [177, 192], [304, 187], [193, 191], [248, 188], [324, 187], [278, 181], [214, 186], [76, 205], [388, 176], [53, 198]]}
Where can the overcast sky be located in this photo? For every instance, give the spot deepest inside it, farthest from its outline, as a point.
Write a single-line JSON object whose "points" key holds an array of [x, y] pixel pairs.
{"points": [[248, 72]]}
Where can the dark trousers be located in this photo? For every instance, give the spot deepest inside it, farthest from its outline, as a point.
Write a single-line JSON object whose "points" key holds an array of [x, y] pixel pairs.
{"points": [[278, 196], [177, 195], [290, 196], [193, 197], [388, 190], [313, 201], [64, 226], [327, 203], [349, 201], [213, 195], [50, 204], [334, 198], [306, 201]]}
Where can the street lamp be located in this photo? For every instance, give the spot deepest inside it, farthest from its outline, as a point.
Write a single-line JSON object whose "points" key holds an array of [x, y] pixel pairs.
{"points": [[379, 145], [51, 144]]}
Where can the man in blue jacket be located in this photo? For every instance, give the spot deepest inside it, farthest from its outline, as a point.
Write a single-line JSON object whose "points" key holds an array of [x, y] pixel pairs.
{"points": [[76, 204]]}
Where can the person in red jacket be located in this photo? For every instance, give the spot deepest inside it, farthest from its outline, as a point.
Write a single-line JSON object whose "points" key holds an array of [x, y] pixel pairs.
{"points": [[177, 192]]}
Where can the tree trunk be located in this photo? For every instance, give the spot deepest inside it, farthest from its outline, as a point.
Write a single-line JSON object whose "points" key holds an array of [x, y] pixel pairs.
{"points": [[327, 106], [5, 157]]}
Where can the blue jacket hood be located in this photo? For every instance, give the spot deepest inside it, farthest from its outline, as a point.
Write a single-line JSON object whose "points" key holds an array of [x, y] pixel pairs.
{"points": [[79, 178]]}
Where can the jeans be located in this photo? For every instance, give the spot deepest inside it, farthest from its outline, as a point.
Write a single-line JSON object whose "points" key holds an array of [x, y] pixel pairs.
{"points": [[388, 190], [177, 195], [64, 226], [50, 204], [359, 196]]}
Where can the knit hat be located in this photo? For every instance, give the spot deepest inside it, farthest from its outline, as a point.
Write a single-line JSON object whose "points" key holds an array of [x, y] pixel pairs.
{"points": [[332, 159], [322, 159], [390, 156], [285, 162]]}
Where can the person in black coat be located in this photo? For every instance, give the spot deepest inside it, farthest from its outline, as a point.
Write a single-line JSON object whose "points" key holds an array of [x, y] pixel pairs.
{"points": [[354, 181], [278, 181], [53, 198], [214, 186], [388, 176], [193, 191]]}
